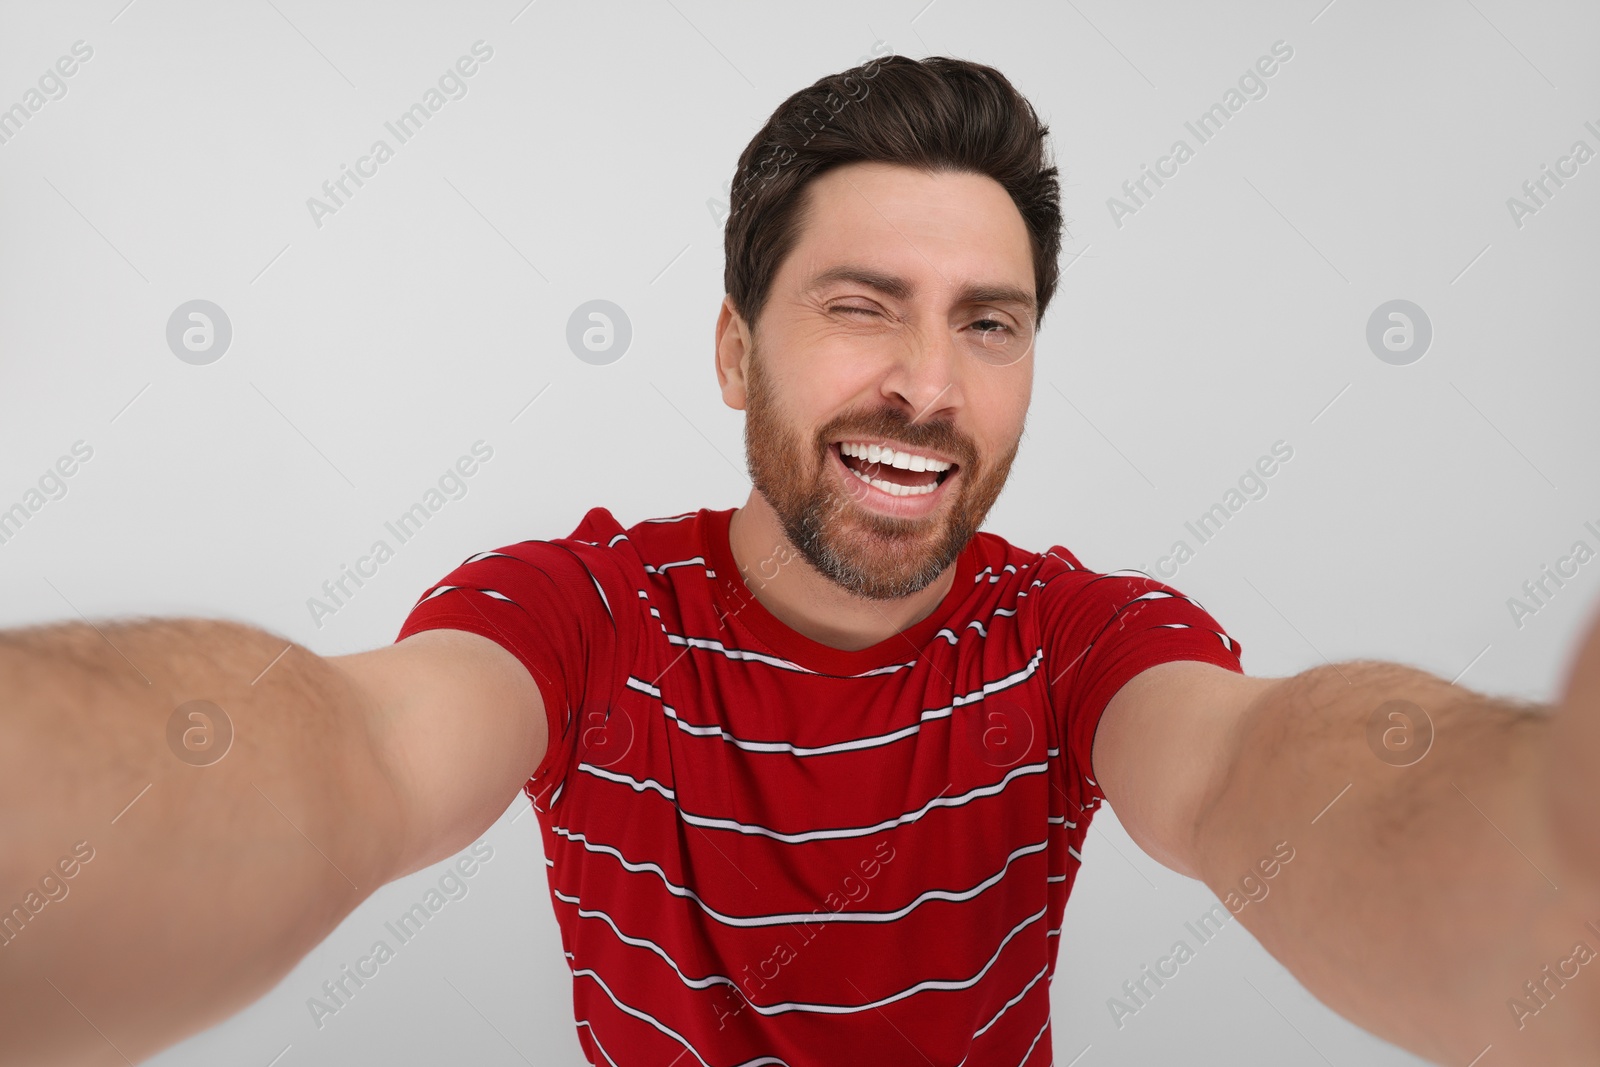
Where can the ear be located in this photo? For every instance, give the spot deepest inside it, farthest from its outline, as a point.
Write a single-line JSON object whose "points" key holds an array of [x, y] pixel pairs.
{"points": [[732, 346]]}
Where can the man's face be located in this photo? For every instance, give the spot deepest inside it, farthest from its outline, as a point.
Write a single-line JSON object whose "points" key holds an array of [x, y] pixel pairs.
{"points": [[902, 318]]}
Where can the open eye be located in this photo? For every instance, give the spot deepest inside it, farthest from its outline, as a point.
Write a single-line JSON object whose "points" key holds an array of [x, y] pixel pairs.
{"points": [[999, 342]]}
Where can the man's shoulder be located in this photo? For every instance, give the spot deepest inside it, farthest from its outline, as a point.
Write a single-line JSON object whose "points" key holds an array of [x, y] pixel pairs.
{"points": [[1000, 561], [600, 528], [1057, 583], [629, 555]]}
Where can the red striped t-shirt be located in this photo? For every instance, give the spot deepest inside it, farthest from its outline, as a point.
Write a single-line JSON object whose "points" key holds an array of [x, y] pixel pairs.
{"points": [[764, 850]]}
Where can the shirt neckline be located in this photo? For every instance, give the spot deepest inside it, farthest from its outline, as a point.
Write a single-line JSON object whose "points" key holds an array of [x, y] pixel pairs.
{"points": [[736, 599]]}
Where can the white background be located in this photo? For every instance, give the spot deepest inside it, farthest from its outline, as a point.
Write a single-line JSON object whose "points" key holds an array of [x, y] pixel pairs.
{"points": [[371, 351]]}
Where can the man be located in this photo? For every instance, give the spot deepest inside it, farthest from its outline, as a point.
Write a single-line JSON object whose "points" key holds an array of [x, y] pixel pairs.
{"points": [[813, 775]]}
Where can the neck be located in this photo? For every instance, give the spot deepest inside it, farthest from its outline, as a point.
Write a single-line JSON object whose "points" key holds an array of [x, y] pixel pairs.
{"points": [[808, 602]]}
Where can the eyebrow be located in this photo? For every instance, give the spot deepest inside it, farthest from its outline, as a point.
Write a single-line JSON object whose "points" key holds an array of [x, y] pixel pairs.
{"points": [[900, 289]]}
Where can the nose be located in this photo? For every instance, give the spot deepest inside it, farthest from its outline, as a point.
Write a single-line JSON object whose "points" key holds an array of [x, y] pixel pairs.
{"points": [[924, 375]]}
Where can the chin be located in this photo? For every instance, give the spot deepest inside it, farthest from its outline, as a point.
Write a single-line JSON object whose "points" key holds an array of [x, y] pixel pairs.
{"points": [[874, 556]]}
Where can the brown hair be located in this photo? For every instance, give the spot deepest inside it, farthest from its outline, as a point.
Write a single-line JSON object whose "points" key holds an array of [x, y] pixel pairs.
{"points": [[936, 114]]}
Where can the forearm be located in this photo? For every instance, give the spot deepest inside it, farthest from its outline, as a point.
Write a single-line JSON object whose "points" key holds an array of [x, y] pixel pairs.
{"points": [[1421, 898], [210, 877]]}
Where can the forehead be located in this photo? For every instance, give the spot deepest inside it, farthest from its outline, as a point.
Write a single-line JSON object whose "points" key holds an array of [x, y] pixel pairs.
{"points": [[948, 228]]}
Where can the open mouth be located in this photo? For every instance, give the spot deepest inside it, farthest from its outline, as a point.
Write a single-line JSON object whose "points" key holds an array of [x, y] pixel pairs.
{"points": [[902, 473]]}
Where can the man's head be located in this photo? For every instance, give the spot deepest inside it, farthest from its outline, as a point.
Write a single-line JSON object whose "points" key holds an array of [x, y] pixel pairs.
{"points": [[891, 247]]}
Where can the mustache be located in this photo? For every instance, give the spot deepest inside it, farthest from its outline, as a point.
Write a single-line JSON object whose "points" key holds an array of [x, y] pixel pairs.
{"points": [[941, 437]]}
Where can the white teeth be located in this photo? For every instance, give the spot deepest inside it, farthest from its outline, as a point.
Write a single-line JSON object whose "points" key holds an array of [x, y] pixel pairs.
{"points": [[895, 489], [874, 453]]}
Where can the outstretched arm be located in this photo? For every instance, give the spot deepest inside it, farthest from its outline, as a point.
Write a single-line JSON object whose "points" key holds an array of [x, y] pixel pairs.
{"points": [[156, 876], [1444, 885]]}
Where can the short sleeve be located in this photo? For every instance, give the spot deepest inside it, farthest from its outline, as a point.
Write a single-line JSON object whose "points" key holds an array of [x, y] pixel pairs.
{"points": [[559, 606], [1101, 630]]}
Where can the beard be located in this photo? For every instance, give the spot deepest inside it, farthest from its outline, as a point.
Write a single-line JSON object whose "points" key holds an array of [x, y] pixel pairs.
{"points": [[868, 554]]}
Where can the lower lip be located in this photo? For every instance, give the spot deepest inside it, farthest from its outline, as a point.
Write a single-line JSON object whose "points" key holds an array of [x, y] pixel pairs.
{"points": [[875, 499]]}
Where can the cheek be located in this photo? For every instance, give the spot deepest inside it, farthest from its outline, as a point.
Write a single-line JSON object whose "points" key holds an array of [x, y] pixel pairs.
{"points": [[997, 404], [832, 377], [846, 360]]}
